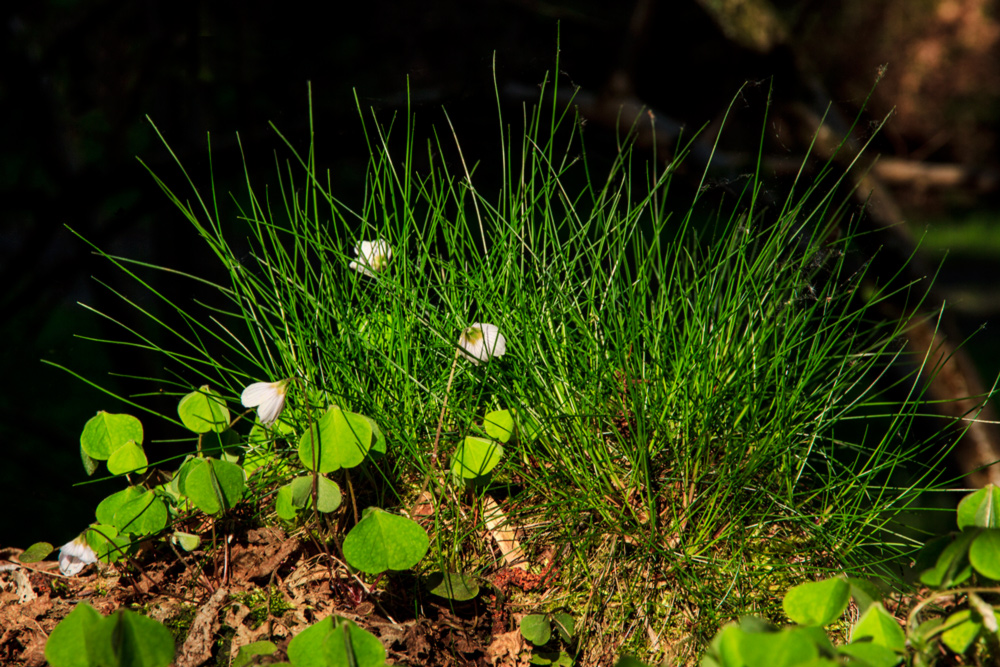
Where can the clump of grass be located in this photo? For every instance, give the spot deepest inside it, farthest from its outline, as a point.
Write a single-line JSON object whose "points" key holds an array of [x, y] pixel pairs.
{"points": [[684, 378]]}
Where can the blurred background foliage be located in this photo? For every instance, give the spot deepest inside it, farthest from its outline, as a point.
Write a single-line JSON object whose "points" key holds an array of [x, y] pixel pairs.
{"points": [[79, 77]]}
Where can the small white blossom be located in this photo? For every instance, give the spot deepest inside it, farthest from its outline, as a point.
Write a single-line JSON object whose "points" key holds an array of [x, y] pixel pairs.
{"points": [[268, 398], [373, 257], [75, 555], [482, 342]]}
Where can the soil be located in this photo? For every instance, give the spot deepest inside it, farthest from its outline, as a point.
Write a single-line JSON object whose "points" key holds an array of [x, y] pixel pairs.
{"points": [[264, 585]]}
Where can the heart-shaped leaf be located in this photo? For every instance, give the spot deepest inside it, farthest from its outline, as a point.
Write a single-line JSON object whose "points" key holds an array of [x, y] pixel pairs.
{"points": [[817, 602], [127, 458], [984, 554], [453, 585], [213, 486], [106, 432], [106, 508], [335, 641], [980, 509], [537, 629], [340, 439], [144, 515], [777, 649], [328, 496], [882, 629], [382, 541], [475, 457], [72, 643], [203, 411], [499, 425]]}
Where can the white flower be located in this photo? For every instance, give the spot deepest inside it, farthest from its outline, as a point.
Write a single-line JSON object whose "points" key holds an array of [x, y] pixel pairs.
{"points": [[268, 398], [75, 555], [373, 257], [482, 342]]}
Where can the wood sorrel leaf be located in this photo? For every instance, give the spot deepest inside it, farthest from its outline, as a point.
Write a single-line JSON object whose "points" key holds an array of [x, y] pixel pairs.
{"points": [[499, 425], [106, 432], [127, 458], [340, 439], [962, 630], [212, 485], [980, 509], [871, 654], [249, 651], [382, 541], [203, 411], [817, 602], [128, 638], [475, 457], [144, 515], [984, 554], [107, 507], [106, 543], [952, 566], [777, 649], [331, 642], [881, 627], [452, 585], [328, 497], [72, 642], [536, 628]]}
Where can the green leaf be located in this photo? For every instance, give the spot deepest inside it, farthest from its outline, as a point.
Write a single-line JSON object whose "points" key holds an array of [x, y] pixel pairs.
{"points": [[475, 457], [188, 541], [344, 439], [382, 541], [203, 411], [350, 645], [864, 592], [776, 649], [144, 515], [980, 509], [250, 651], [818, 602], [984, 554], [133, 640], [378, 438], [872, 654], [36, 552], [565, 626], [328, 494], [105, 432], [952, 567], [724, 649], [453, 585], [325, 644], [106, 508], [881, 627], [71, 643], [499, 425], [962, 631], [127, 458], [536, 628], [106, 543], [283, 504], [213, 486]]}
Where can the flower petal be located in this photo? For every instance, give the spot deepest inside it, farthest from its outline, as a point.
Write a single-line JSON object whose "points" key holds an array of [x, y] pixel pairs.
{"points": [[256, 394], [75, 555]]}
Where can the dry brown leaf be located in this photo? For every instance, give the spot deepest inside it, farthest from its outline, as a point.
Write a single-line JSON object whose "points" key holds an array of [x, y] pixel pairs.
{"points": [[508, 650], [506, 539], [197, 647]]}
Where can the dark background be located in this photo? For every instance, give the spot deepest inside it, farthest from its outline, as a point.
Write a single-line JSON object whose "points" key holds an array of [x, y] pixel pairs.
{"points": [[78, 79]]}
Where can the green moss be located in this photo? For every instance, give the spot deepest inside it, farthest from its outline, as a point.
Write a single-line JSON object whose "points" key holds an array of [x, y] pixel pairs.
{"points": [[262, 603]]}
